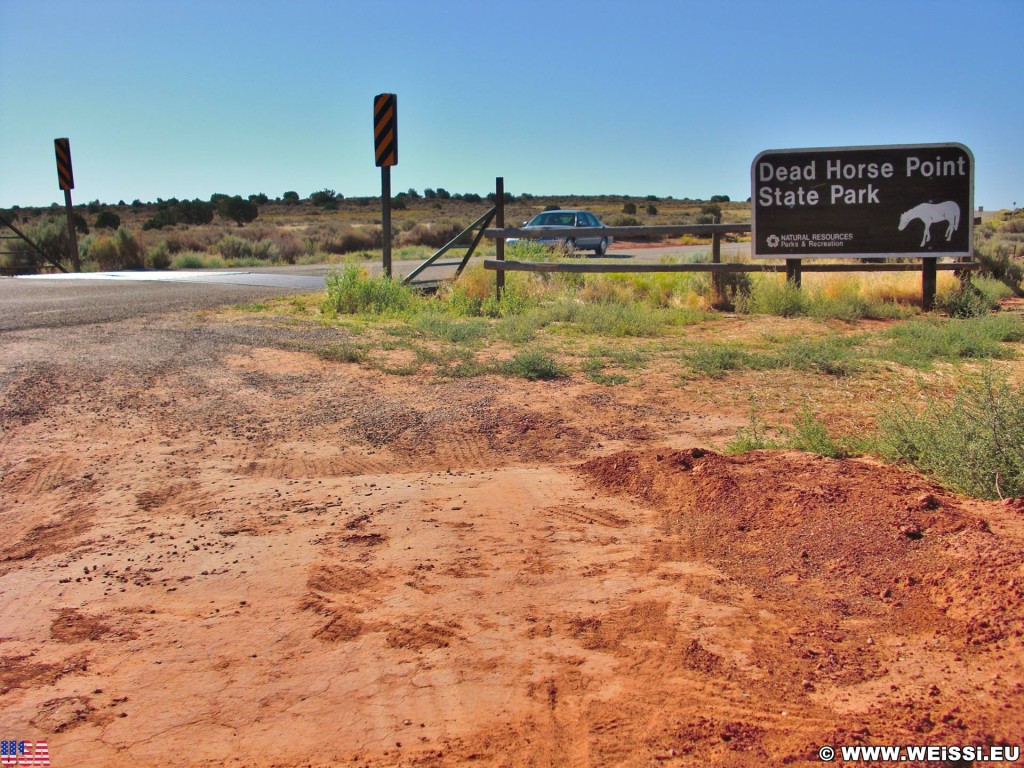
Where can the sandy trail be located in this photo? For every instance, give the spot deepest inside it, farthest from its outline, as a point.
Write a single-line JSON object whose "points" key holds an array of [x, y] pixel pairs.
{"points": [[224, 551]]}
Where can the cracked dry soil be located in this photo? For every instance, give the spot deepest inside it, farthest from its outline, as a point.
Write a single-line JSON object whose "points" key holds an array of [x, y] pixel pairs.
{"points": [[223, 551]]}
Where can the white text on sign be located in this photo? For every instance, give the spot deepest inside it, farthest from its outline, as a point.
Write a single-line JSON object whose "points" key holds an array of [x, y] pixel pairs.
{"points": [[839, 170]]}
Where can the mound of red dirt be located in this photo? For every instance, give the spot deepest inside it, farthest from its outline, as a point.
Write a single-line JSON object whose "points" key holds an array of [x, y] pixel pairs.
{"points": [[846, 537]]}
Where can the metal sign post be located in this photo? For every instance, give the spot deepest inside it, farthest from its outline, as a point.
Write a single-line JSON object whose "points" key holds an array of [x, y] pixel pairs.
{"points": [[385, 136], [66, 179]]}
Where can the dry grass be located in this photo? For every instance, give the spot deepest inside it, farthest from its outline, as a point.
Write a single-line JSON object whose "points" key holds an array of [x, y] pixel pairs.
{"points": [[305, 232]]}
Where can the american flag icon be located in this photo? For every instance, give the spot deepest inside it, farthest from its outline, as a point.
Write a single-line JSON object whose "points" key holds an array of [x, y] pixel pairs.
{"points": [[24, 753]]}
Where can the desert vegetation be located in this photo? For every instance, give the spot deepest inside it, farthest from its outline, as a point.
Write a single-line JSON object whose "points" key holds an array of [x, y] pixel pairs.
{"points": [[617, 330], [325, 227], [856, 333]]}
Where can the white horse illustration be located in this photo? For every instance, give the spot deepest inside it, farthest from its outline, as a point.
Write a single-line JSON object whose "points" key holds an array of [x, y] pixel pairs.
{"points": [[929, 213]]}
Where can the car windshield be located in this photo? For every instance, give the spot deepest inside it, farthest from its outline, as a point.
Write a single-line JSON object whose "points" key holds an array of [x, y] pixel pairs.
{"points": [[553, 219]]}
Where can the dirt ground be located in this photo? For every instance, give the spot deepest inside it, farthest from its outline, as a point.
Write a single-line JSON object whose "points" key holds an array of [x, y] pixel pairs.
{"points": [[221, 550]]}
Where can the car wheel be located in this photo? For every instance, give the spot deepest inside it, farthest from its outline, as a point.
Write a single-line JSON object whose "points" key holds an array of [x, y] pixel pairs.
{"points": [[570, 244], [602, 247]]}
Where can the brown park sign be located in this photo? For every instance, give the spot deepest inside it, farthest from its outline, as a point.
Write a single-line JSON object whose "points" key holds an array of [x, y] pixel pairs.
{"points": [[850, 202]]}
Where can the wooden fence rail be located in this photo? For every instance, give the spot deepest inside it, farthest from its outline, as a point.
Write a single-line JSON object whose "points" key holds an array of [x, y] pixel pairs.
{"points": [[564, 266], [793, 267]]}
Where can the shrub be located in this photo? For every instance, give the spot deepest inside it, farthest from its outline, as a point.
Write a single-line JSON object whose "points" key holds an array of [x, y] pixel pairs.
{"points": [[629, 208], [194, 212], [289, 247], [918, 343], [996, 259], [107, 220], [290, 197], [770, 296], [159, 256], [810, 434], [325, 198], [964, 301], [347, 239], [188, 260], [533, 364], [346, 352], [247, 252], [50, 234], [971, 445], [753, 437], [652, 210], [352, 291], [172, 212], [711, 209], [833, 355], [121, 251], [619, 319], [159, 220], [101, 251], [625, 221], [453, 330], [238, 210], [714, 361], [993, 290], [232, 248], [190, 241], [434, 234]]}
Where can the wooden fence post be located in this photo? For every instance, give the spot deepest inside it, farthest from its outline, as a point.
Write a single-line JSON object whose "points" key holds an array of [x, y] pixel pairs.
{"points": [[499, 243], [718, 298], [928, 284]]}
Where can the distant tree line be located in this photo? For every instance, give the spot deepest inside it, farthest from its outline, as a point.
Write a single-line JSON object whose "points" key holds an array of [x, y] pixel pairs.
{"points": [[172, 212]]}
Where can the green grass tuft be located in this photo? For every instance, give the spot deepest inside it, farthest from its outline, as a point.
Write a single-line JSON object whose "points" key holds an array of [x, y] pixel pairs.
{"points": [[971, 445], [533, 364], [715, 361], [346, 352], [753, 437], [919, 343], [810, 434], [351, 292]]}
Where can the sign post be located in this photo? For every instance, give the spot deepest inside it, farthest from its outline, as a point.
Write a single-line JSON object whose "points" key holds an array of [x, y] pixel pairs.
{"points": [[903, 201], [385, 137], [66, 180]]}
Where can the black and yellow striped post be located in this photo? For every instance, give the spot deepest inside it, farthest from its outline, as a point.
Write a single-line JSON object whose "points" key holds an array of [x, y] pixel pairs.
{"points": [[66, 180], [65, 175], [385, 140], [385, 129]]}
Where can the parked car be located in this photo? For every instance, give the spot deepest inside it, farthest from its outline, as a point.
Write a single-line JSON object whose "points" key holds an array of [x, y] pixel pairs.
{"points": [[598, 243]]}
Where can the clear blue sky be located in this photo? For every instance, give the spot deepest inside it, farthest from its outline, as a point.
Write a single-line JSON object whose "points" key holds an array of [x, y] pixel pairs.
{"points": [[184, 98]]}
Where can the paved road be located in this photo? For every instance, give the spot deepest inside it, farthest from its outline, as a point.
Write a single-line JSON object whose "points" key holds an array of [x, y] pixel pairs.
{"points": [[54, 301]]}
